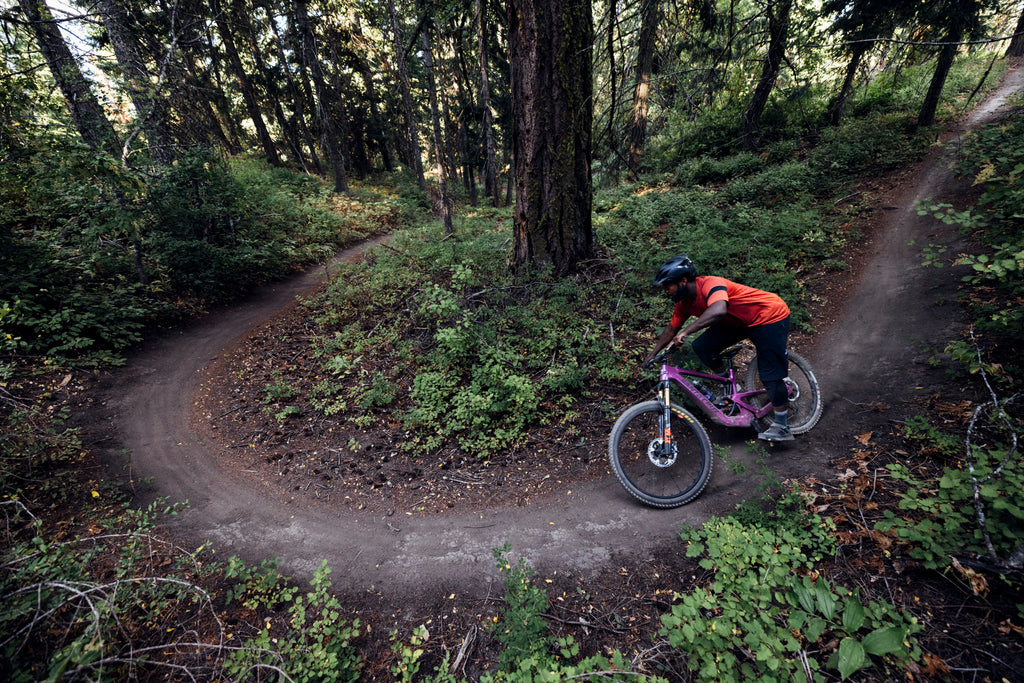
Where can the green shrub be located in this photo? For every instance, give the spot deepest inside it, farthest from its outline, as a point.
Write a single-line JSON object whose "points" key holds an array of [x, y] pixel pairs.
{"points": [[317, 647], [708, 170], [530, 653], [993, 157], [943, 511], [761, 617]]}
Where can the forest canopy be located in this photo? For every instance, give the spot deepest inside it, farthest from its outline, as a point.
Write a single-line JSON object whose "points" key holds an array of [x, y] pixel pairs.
{"points": [[130, 132]]}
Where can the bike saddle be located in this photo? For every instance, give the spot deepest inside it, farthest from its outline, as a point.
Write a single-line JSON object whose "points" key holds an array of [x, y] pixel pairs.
{"points": [[729, 354]]}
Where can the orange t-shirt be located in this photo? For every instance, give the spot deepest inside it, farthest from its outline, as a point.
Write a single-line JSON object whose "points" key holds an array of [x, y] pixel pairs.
{"points": [[747, 307]]}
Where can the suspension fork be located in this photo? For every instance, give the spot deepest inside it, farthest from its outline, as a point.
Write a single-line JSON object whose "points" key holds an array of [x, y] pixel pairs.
{"points": [[665, 428]]}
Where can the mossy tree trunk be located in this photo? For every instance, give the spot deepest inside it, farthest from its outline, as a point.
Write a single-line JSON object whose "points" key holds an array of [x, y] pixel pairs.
{"points": [[552, 114]]}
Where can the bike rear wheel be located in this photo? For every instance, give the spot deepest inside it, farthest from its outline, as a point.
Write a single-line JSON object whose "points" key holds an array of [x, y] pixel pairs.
{"points": [[805, 403], [660, 481]]}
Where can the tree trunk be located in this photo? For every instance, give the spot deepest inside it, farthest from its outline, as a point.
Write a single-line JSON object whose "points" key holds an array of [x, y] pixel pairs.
{"points": [[86, 112], [150, 107], [412, 139], [299, 102], [378, 131], [552, 115], [613, 88], [248, 94], [323, 108], [838, 104], [959, 13], [930, 104], [642, 87], [439, 147], [778, 27], [1016, 48], [487, 123], [289, 130], [220, 101]]}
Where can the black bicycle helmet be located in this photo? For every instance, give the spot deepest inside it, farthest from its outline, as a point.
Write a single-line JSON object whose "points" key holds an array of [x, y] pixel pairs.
{"points": [[674, 270]]}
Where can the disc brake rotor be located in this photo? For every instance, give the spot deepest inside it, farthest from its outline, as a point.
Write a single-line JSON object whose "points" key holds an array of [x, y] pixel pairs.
{"points": [[657, 455]]}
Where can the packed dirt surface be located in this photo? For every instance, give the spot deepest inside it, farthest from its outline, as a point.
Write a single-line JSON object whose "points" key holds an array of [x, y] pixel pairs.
{"points": [[176, 418]]}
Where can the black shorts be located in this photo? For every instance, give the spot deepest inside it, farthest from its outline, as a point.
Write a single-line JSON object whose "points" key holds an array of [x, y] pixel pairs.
{"points": [[770, 341]]}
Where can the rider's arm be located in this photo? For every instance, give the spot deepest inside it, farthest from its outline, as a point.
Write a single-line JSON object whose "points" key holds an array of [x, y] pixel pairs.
{"points": [[663, 340], [709, 317]]}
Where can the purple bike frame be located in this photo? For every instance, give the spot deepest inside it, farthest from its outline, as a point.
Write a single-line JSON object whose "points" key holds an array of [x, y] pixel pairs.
{"points": [[747, 412]]}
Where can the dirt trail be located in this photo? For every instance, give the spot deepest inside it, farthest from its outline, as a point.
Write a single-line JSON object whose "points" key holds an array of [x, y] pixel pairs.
{"points": [[872, 353]]}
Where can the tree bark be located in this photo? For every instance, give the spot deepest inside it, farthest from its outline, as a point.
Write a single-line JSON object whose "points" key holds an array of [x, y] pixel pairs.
{"points": [[299, 101], [552, 115], [245, 85], [838, 104], [439, 146], [150, 107], [642, 87], [487, 122], [960, 14], [930, 104], [323, 108], [87, 114], [220, 101], [778, 27], [613, 88], [289, 129], [378, 132], [1016, 48], [411, 137]]}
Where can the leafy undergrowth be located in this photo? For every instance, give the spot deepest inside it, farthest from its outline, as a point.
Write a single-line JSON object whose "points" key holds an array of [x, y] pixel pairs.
{"points": [[823, 582], [883, 572]]}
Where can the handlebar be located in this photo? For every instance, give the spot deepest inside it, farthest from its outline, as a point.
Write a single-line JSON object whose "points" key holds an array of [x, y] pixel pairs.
{"points": [[659, 358]]}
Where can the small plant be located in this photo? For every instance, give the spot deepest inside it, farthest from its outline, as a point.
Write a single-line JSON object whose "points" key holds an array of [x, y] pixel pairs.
{"points": [[282, 416], [530, 653], [255, 587], [409, 656], [279, 390], [317, 646], [521, 630], [758, 618]]}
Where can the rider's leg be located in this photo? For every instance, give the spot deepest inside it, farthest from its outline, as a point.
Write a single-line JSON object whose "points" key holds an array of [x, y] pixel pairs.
{"points": [[773, 366], [713, 341]]}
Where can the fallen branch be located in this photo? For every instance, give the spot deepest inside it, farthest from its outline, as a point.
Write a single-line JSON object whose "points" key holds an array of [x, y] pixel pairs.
{"points": [[1016, 560]]}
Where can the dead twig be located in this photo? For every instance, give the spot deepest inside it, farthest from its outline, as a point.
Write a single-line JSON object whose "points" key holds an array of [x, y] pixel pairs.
{"points": [[1016, 559]]}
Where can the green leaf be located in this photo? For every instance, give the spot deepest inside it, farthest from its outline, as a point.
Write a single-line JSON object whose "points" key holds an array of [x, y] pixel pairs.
{"points": [[826, 601], [804, 595], [883, 641], [851, 657], [853, 614]]}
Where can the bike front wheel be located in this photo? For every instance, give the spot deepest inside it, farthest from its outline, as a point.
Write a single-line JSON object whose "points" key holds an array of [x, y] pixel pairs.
{"points": [[660, 477], [804, 395]]}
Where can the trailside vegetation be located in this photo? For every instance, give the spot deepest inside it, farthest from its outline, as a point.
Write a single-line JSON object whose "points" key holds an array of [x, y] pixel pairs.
{"points": [[102, 238]]}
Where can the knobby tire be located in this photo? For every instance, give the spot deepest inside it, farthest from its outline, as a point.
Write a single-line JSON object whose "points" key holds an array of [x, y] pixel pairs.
{"points": [[805, 409], [662, 487]]}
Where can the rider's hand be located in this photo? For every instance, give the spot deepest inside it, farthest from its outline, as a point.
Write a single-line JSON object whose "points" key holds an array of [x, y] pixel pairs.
{"points": [[679, 339]]}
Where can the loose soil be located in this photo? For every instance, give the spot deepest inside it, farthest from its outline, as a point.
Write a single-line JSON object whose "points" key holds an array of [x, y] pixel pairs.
{"points": [[188, 419]]}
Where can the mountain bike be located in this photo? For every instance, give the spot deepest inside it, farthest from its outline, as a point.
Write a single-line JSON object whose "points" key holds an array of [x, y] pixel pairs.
{"points": [[662, 454]]}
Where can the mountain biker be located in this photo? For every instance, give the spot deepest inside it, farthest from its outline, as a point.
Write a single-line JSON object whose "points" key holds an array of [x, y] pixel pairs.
{"points": [[729, 312]]}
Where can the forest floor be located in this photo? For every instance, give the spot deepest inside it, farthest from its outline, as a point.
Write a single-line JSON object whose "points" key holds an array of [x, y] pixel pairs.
{"points": [[411, 544]]}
